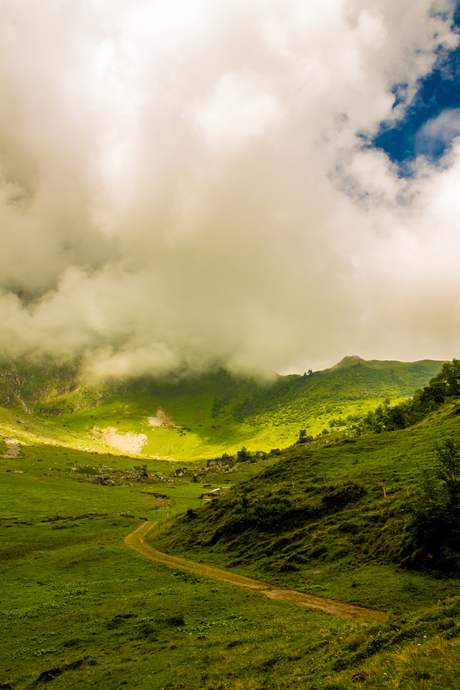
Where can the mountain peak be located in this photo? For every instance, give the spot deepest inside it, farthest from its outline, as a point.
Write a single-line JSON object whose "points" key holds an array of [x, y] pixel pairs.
{"points": [[349, 361]]}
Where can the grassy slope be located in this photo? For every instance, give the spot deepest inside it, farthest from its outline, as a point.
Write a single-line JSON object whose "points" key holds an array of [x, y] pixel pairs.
{"points": [[296, 531], [295, 524], [77, 600], [217, 413]]}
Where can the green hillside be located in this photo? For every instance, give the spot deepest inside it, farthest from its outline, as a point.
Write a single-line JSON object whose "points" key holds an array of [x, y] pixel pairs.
{"points": [[189, 417], [311, 507], [334, 517], [338, 518]]}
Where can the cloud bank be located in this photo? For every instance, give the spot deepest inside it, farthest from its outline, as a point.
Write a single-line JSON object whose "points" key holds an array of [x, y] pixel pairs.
{"points": [[183, 183]]}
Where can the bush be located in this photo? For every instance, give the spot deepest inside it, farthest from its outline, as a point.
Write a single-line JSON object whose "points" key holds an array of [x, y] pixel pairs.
{"points": [[345, 494], [436, 514]]}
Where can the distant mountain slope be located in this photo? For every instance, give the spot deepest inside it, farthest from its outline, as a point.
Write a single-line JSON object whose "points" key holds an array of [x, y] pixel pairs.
{"points": [[330, 391], [205, 415]]}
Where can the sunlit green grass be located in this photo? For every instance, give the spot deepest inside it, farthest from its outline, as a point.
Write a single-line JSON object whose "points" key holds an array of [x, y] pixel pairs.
{"points": [[212, 413], [84, 610], [77, 603]]}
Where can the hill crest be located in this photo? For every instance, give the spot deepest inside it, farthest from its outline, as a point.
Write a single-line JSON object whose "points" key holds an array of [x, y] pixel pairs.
{"points": [[211, 413]]}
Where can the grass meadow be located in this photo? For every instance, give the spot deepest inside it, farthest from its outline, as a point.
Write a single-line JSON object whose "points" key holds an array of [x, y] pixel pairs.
{"points": [[81, 610]]}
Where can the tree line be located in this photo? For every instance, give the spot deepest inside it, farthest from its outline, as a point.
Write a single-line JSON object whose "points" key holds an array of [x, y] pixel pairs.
{"points": [[443, 387]]}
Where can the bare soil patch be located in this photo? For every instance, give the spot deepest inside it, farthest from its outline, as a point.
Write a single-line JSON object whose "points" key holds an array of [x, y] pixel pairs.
{"points": [[128, 443], [14, 449], [161, 419]]}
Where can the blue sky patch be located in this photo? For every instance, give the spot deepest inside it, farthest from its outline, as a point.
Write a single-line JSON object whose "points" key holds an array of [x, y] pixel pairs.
{"points": [[432, 120]]}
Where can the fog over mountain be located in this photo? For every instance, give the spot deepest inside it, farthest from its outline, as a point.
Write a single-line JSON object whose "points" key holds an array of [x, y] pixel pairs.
{"points": [[193, 182]]}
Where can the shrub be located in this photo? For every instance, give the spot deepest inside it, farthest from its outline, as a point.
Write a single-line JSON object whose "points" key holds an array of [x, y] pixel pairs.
{"points": [[436, 513], [345, 494]]}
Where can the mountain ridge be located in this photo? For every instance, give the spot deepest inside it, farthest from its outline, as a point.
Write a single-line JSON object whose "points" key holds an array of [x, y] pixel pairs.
{"points": [[210, 413]]}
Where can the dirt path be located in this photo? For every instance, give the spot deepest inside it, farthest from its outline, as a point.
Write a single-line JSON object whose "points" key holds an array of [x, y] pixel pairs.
{"points": [[135, 541]]}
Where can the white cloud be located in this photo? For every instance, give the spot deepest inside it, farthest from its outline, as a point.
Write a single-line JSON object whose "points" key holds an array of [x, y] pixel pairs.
{"points": [[239, 109], [438, 132], [183, 184]]}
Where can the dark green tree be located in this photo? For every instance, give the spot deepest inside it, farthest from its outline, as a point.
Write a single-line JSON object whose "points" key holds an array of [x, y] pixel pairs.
{"points": [[444, 385], [243, 455], [436, 514], [447, 472], [303, 438]]}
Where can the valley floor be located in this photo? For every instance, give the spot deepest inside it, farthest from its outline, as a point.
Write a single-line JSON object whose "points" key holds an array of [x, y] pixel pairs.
{"points": [[78, 609]]}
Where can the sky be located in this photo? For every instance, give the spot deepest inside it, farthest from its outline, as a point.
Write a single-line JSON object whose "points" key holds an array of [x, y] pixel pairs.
{"points": [[263, 185]]}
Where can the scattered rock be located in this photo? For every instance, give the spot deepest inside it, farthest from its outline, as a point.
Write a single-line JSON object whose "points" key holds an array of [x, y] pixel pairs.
{"points": [[104, 481]]}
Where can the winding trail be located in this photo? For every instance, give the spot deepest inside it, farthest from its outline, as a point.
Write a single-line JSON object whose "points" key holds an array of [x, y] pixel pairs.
{"points": [[135, 541]]}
